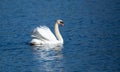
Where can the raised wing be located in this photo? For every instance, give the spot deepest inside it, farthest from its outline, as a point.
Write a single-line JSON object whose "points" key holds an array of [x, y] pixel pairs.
{"points": [[43, 33]]}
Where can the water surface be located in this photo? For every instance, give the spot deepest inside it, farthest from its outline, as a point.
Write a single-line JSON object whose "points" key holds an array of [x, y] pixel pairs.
{"points": [[91, 36]]}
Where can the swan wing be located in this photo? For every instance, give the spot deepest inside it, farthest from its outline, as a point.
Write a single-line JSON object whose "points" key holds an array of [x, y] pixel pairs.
{"points": [[43, 33]]}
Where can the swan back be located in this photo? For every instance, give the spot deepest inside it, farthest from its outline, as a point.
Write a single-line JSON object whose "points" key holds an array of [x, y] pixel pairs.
{"points": [[43, 33]]}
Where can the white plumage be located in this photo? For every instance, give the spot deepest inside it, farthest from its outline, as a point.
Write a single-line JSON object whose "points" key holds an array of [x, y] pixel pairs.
{"points": [[42, 35]]}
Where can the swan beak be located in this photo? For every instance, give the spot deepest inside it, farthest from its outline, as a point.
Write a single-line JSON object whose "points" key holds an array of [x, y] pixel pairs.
{"points": [[62, 23]]}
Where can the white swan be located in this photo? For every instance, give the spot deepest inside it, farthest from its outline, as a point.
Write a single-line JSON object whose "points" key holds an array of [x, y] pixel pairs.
{"points": [[42, 35]]}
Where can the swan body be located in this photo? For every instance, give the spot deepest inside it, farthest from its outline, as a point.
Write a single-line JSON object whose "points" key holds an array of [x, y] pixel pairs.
{"points": [[43, 36]]}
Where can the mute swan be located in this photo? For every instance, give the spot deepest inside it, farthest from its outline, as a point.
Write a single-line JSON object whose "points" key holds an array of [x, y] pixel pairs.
{"points": [[42, 35]]}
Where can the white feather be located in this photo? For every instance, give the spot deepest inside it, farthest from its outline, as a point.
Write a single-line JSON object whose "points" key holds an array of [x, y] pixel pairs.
{"points": [[43, 33]]}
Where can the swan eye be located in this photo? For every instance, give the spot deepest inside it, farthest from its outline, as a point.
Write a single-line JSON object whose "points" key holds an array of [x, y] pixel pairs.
{"points": [[61, 22]]}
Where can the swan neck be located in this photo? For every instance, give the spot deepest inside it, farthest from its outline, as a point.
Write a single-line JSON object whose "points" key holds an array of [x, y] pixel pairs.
{"points": [[57, 33]]}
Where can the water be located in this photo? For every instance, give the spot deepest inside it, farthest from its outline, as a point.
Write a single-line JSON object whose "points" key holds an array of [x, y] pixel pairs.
{"points": [[91, 36]]}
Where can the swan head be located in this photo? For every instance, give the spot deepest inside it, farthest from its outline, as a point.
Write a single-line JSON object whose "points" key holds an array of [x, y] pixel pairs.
{"points": [[60, 22]]}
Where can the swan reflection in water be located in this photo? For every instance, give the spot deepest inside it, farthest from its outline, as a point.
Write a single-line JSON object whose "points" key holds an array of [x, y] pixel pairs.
{"points": [[48, 59]]}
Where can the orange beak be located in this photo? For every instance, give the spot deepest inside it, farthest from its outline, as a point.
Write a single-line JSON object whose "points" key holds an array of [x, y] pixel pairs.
{"points": [[62, 23]]}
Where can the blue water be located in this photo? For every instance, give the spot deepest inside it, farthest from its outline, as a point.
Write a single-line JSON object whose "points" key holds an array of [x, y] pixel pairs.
{"points": [[91, 35]]}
